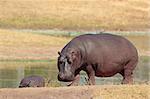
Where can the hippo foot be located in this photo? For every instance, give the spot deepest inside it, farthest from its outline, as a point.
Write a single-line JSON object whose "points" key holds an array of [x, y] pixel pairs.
{"points": [[73, 84], [127, 82]]}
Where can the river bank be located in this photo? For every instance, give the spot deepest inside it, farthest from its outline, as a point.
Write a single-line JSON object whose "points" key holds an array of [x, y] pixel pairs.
{"points": [[79, 92], [44, 44]]}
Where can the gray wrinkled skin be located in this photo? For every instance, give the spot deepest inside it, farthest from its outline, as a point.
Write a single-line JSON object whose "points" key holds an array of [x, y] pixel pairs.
{"points": [[101, 55]]}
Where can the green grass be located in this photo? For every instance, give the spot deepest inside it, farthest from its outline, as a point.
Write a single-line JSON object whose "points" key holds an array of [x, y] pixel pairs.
{"points": [[145, 59], [25, 60]]}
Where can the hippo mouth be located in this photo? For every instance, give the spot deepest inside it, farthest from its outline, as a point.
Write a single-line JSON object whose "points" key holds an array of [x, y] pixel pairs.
{"points": [[65, 79], [22, 86]]}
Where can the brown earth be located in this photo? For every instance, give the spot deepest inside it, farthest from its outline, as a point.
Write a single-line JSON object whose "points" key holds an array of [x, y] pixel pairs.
{"points": [[79, 92]]}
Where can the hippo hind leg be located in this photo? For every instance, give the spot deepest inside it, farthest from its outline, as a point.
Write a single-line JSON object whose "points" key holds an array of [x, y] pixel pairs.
{"points": [[127, 72]]}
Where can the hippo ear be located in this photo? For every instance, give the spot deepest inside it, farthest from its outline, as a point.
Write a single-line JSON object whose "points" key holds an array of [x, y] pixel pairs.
{"points": [[32, 84], [59, 53], [28, 84]]}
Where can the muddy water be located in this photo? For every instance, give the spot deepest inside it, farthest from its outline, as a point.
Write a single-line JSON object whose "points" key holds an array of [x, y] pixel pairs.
{"points": [[11, 72]]}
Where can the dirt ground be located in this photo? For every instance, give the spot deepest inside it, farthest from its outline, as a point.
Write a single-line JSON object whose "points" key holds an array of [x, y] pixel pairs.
{"points": [[79, 92]]}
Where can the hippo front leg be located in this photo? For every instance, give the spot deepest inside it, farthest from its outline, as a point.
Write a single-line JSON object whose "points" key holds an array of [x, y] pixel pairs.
{"points": [[91, 75], [75, 82]]}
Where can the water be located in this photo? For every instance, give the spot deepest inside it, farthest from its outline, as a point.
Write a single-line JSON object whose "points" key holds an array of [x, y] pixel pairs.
{"points": [[11, 72], [11, 76]]}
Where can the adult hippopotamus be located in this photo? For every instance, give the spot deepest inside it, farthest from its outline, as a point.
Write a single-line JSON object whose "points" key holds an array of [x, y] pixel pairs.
{"points": [[101, 55], [32, 81]]}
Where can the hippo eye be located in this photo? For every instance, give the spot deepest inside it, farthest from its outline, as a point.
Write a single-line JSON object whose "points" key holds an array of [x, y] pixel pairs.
{"points": [[69, 62], [60, 62]]}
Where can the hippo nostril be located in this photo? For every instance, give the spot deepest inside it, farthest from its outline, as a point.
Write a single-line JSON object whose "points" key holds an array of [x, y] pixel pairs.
{"points": [[60, 76]]}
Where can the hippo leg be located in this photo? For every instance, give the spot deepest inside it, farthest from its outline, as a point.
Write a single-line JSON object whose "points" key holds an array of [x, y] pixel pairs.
{"points": [[91, 74], [75, 82], [127, 72], [128, 77]]}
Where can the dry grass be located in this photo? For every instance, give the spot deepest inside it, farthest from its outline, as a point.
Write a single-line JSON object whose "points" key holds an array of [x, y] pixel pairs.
{"points": [[141, 43], [80, 92], [75, 14], [33, 46], [16, 45]]}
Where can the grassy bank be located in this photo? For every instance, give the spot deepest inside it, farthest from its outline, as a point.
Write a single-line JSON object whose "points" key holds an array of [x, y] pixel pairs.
{"points": [[29, 46], [37, 46], [75, 14], [80, 92]]}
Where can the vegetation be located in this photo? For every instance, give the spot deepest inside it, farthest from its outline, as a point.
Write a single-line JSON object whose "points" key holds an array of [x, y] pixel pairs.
{"points": [[35, 49], [75, 14], [29, 46]]}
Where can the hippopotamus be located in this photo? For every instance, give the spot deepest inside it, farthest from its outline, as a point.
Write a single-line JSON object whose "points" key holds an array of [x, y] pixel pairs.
{"points": [[32, 81], [100, 55]]}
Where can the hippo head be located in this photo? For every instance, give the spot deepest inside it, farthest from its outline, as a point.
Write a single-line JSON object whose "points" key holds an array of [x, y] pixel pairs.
{"points": [[68, 62], [28, 83], [24, 83]]}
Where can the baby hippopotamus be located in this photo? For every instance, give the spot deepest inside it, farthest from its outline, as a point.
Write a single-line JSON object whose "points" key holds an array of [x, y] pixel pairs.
{"points": [[32, 81]]}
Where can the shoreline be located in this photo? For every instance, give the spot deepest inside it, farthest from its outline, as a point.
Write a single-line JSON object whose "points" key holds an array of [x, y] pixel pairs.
{"points": [[57, 32], [79, 92]]}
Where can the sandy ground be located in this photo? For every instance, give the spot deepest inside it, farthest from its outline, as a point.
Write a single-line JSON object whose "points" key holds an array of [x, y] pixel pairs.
{"points": [[79, 92]]}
